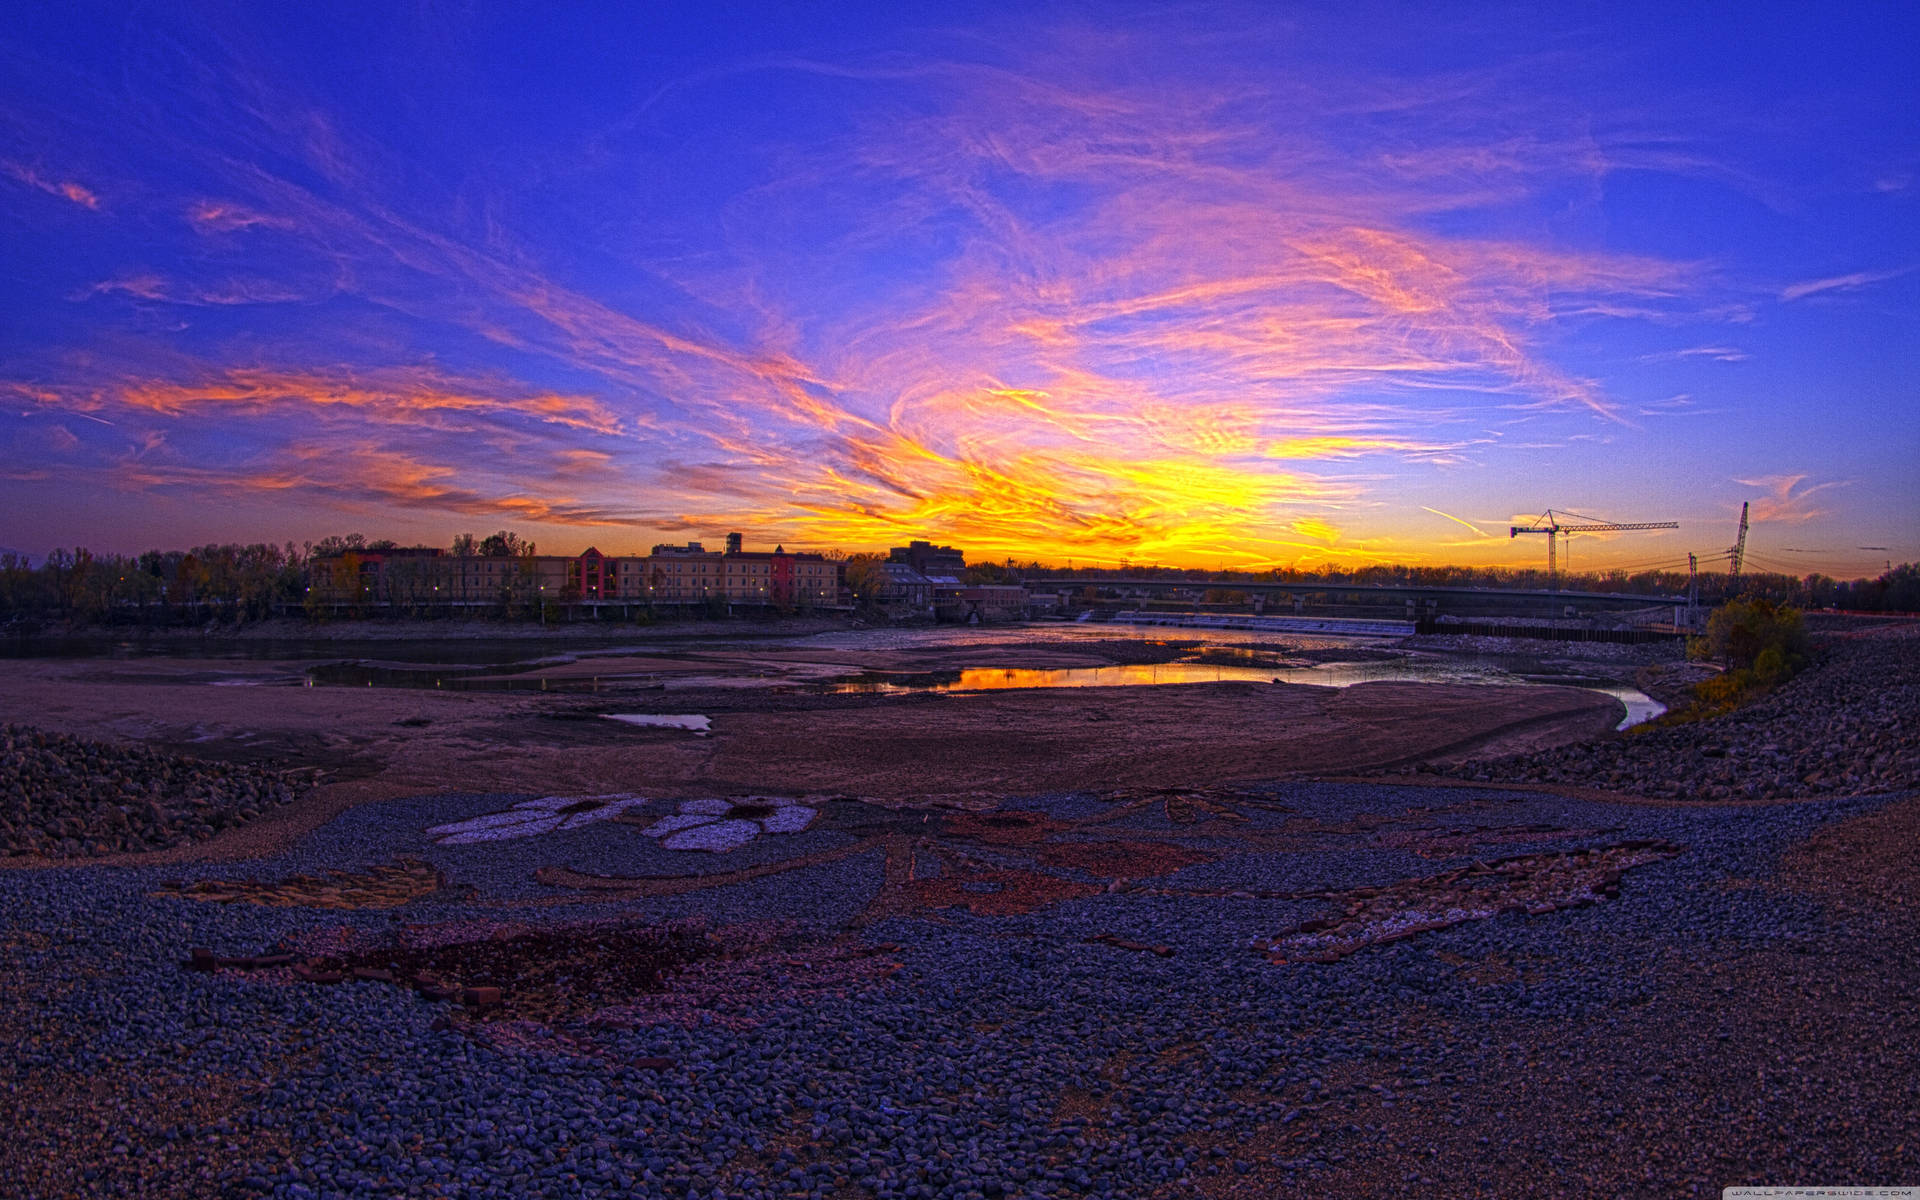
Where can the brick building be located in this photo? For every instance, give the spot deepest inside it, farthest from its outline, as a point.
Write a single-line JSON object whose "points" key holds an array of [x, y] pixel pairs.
{"points": [[928, 559], [426, 578]]}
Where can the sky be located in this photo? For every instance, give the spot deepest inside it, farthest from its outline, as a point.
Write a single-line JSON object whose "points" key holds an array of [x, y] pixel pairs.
{"points": [[1207, 285]]}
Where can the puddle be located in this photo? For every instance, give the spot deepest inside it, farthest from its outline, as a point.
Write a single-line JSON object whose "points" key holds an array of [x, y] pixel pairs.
{"points": [[691, 722]]}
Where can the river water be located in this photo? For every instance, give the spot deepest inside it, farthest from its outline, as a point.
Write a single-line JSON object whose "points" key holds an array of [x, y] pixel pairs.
{"points": [[516, 663], [1640, 707], [1405, 667]]}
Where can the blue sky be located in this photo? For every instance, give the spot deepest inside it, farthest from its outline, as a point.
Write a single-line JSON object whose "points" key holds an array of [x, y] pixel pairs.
{"points": [[1203, 284]]}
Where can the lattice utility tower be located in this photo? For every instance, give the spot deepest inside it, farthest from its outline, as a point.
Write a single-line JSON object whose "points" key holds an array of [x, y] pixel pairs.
{"points": [[1552, 524]]}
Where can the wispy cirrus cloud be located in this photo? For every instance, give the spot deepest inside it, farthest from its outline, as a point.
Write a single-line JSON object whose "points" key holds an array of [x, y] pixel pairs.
{"points": [[215, 216], [1034, 300], [1339, 446], [1787, 501], [138, 286], [1211, 247], [1680, 405], [65, 189], [227, 292], [383, 396], [1711, 353], [369, 477], [1842, 283]]}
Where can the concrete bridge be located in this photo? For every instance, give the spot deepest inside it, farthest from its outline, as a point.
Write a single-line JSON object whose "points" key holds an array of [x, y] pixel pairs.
{"points": [[1403, 601]]}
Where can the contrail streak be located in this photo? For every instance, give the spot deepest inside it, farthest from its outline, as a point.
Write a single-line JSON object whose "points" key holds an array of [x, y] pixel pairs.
{"points": [[1458, 521]]}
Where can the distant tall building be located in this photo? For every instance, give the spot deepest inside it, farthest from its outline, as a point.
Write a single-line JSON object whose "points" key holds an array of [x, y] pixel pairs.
{"points": [[928, 559]]}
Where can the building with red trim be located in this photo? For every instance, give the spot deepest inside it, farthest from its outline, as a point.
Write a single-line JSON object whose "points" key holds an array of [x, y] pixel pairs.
{"points": [[423, 577]]}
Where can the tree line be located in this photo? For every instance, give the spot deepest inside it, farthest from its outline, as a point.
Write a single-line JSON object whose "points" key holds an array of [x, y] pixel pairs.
{"points": [[235, 582], [1896, 590], [230, 582]]}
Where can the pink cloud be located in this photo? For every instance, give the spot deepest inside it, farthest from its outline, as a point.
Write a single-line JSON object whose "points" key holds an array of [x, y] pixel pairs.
{"points": [[226, 217], [66, 189], [1787, 501]]}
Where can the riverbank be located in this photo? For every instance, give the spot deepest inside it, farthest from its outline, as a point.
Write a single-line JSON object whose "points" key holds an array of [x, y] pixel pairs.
{"points": [[1849, 724]]}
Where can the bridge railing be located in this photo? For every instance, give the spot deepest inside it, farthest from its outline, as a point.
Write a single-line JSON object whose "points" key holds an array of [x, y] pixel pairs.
{"points": [[1552, 633]]}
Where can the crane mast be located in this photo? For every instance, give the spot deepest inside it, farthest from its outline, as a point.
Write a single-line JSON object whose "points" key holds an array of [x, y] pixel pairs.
{"points": [[1550, 523], [1693, 590], [1739, 550]]}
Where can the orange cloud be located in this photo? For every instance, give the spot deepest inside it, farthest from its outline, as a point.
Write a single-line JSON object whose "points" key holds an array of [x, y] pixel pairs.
{"points": [[392, 396], [365, 476]]}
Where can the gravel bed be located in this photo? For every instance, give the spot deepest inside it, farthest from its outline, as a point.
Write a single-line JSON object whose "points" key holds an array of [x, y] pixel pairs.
{"points": [[1007, 1055], [1849, 724], [67, 797]]}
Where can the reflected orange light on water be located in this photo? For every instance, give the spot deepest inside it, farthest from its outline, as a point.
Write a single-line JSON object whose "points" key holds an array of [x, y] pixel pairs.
{"points": [[993, 679]]}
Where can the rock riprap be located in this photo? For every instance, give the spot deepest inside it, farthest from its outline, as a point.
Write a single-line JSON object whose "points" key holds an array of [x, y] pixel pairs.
{"points": [[67, 797], [1848, 725]]}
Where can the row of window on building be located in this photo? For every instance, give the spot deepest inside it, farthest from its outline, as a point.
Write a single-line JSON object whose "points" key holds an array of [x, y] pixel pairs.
{"points": [[683, 574]]}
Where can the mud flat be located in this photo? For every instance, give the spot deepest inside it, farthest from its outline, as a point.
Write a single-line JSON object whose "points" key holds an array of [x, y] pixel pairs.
{"points": [[373, 744]]}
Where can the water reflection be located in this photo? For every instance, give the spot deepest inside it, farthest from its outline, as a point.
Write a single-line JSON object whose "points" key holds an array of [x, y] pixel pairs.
{"points": [[1640, 707], [1410, 669], [986, 679]]}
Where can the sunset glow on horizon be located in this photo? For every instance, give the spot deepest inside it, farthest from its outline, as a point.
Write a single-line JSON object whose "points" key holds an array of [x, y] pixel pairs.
{"points": [[1226, 286]]}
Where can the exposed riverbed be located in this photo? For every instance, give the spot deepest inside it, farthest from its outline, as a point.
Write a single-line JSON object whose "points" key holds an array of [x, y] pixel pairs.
{"points": [[863, 662]]}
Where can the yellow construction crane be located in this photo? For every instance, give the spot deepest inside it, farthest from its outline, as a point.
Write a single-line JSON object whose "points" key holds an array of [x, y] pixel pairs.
{"points": [[1556, 527]]}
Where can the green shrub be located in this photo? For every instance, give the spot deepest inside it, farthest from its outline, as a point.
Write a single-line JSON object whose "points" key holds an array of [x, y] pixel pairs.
{"points": [[1760, 646], [1724, 688], [1770, 666], [1739, 633]]}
